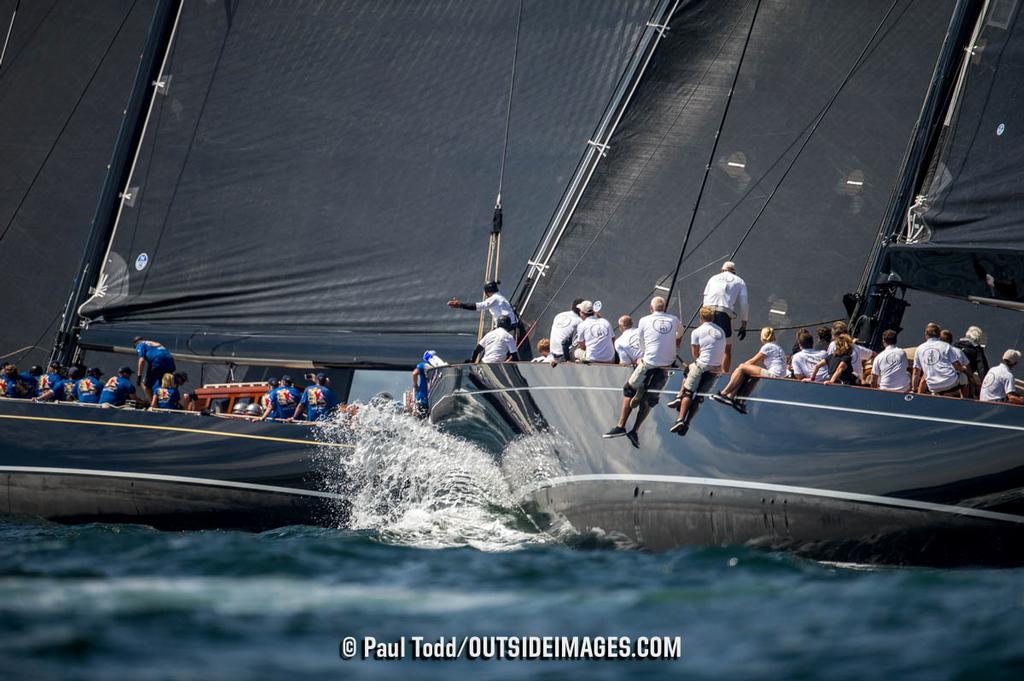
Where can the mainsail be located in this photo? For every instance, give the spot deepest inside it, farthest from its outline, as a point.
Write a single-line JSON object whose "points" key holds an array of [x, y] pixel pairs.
{"points": [[65, 75], [825, 98], [318, 178]]}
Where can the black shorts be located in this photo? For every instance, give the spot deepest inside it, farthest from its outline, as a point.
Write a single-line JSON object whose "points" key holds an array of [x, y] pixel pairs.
{"points": [[724, 322], [654, 381]]}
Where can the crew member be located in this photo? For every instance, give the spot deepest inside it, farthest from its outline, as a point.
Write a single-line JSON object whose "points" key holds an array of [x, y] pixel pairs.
{"points": [[660, 335], [62, 390], [595, 336], [726, 293], [805, 359], [858, 355], [420, 385], [707, 343], [187, 399], [563, 331], [937, 366], [627, 345], [283, 401], [167, 396], [839, 363], [158, 359], [118, 388], [498, 344], [973, 345], [543, 351], [769, 362], [272, 384], [19, 385], [493, 302], [890, 369], [999, 385], [318, 400], [88, 389], [50, 379]]}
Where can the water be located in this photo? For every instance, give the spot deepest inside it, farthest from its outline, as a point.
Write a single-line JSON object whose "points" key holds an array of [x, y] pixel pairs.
{"points": [[435, 546]]}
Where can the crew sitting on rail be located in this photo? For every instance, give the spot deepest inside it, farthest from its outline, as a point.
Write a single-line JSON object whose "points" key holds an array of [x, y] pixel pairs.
{"points": [[999, 385], [493, 302], [973, 346], [890, 369], [937, 367], [824, 335], [62, 390], [159, 361], [118, 388], [946, 336], [283, 401], [88, 389], [20, 386], [272, 384], [839, 363], [543, 351], [707, 343], [497, 345], [48, 380], [594, 335], [726, 293], [167, 396], [318, 400], [804, 360], [627, 345], [563, 332], [770, 362], [859, 354]]}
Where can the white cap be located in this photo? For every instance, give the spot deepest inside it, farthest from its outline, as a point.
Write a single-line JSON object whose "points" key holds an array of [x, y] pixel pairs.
{"points": [[586, 307], [975, 335], [729, 265], [1011, 356]]}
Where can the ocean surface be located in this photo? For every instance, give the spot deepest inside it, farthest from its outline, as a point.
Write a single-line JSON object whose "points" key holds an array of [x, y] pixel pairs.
{"points": [[433, 547]]}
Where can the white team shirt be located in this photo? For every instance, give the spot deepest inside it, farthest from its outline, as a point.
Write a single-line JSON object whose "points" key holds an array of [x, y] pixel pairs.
{"points": [[710, 338], [890, 366], [935, 359], [596, 334], [727, 290], [774, 359], [628, 347], [541, 358], [658, 334], [563, 327], [998, 382], [498, 305], [859, 355], [804, 362], [497, 344]]}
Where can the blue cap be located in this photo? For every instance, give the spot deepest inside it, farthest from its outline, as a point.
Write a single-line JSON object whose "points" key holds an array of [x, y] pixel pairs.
{"points": [[286, 379], [321, 377], [428, 355]]}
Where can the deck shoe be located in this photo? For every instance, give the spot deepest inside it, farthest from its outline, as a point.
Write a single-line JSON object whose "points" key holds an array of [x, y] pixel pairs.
{"points": [[633, 438], [722, 399], [674, 404], [617, 431], [680, 427]]}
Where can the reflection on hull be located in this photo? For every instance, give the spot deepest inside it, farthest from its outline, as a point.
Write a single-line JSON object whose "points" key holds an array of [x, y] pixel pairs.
{"points": [[76, 463], [831, 472]]}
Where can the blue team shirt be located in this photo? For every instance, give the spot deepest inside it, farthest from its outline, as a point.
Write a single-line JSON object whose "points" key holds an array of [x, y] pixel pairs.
{"points": [[168, 398], [283, 401], [63, 389], [319, 401], [47, 382], [116, 391], [422, 391], [21, 387], [8, 386], [87, 390], [156, 355]]}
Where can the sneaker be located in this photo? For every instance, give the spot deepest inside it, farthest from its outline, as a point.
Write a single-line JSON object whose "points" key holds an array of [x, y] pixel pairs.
{"points": [[633, 438], [722, 399], [674, 404], [679, 427], [617, 431]]}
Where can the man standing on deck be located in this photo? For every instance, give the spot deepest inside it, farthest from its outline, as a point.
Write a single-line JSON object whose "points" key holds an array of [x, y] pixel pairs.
{"points": [[660, 335], [726, 294], [493, 302], [318, 400], [282, 402], [159, 360], [628, 342], [563, 331], [420, 386]]}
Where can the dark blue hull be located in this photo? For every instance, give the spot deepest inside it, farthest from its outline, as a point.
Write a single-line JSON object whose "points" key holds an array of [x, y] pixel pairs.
{"points": [[831, 472]]}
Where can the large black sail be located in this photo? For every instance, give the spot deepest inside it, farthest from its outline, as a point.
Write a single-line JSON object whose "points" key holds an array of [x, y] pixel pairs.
{"points": [[65, 76], [319, 177], [825, 99], [964, 235]]}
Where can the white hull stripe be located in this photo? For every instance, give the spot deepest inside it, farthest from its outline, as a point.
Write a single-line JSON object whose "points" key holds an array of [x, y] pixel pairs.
{"points": [[205, 482], [767, 400], [781, 489]]}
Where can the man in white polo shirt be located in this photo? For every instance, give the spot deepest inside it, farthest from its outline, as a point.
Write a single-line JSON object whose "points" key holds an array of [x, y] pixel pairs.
{"points": [[628, 342], [498, 345], [937, 367], [726, 294], [660, 335], [999, 385], [889, 370], [707, 342], [563, 331], [595, 336]]}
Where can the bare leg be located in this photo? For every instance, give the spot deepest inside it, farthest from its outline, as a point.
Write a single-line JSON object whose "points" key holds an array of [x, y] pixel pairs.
{"points": [[736, 380], [727, 359], [641, 414], [684, 407], [624, 412]]}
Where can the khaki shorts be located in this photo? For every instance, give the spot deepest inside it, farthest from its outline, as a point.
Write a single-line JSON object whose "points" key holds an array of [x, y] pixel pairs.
{"points": [[961, 380], [654, 378], [696, 372]]}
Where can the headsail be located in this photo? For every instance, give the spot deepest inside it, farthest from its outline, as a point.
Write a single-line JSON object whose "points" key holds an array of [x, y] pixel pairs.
{"points": [[319, 179]]}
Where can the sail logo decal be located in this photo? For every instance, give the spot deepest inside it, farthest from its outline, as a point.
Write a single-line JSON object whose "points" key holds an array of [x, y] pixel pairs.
{"points": [[141, 261], [662, 326]]}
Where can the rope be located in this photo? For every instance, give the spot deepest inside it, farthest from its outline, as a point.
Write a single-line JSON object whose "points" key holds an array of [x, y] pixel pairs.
{"points": [[10, 28]]}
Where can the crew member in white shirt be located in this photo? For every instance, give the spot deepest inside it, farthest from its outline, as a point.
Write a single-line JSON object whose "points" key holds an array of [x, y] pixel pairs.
{"points": [[660, 335], [937, 367], [498, 344], [999, 385], [890, 369], [726, 293], [563, 331], [595, 337], [771, 356], [493, 302], [804, 361], [707, 343], [543, 351], [627, 345]]}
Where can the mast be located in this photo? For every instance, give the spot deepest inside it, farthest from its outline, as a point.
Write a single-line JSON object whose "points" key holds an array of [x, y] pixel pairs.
{"points": [[146, 84], [876, 306]]}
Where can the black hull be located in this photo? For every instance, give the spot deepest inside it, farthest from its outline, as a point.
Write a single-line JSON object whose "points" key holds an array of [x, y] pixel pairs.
{"points": [[78, 463], [833, 473]]}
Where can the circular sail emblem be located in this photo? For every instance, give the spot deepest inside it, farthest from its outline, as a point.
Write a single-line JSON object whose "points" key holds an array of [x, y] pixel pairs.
{"points": [[141, 261], [563, 321], [662, 326], [931, 357]]}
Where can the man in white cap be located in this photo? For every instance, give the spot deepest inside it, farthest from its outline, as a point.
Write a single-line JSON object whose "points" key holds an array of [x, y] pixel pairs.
{"points": [[595, 336], [999, 385], [726, 294]]}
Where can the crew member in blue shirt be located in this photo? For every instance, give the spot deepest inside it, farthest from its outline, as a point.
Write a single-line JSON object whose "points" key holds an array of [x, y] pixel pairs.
{"points": [[318, 400], [159, 360], [167, 395], [62, 390], [50, 379], [118, 388], [283, 401], [420, 386], [88, 389]]}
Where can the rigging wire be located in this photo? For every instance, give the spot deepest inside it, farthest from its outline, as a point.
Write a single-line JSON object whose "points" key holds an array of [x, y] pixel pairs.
{"points": [[63, 128], [10, 28], [508, 111]]}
